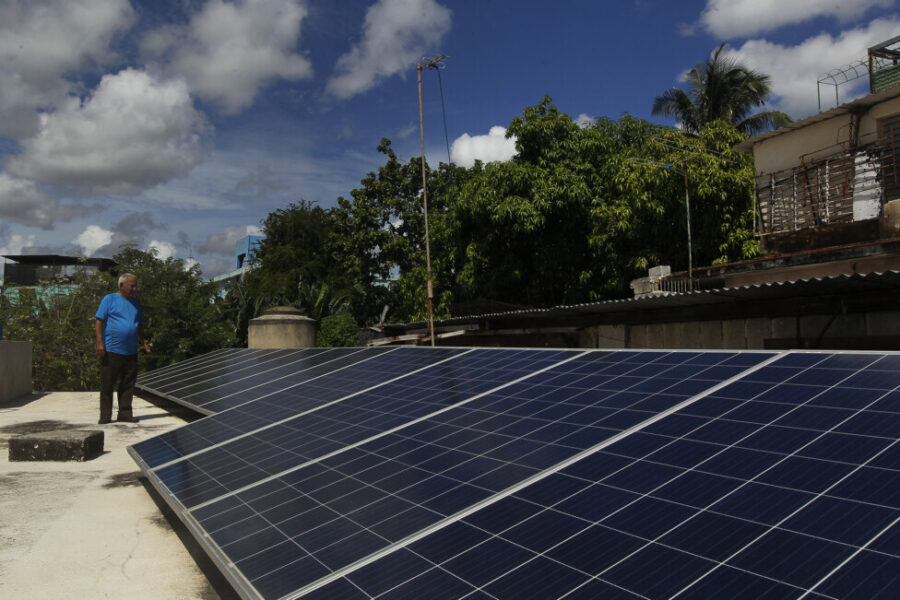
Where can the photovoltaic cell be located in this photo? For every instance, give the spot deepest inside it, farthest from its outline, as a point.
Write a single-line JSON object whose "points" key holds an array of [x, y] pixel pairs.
{"points": [[218, 366], [546, 474], [302, 390], [341, 419], [334, 511], [717, 506]]}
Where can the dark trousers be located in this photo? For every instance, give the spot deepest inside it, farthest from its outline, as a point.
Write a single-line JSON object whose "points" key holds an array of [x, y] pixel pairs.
{"points": [[117, 372]]}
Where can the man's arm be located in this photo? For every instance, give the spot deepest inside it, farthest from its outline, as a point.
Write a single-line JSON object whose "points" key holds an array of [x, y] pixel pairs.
{"points": [[98, 328], [143, 340]]}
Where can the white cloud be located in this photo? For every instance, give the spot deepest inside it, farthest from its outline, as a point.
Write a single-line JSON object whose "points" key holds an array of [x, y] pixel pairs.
{"points": [[727, 19], [229, 51], [223, 242], [585, 120], [16, 243], [42, 42], [189, 263], [133, 133], [164, 250], [494, 146], [795, 69], [93, 238], [395, 34]]}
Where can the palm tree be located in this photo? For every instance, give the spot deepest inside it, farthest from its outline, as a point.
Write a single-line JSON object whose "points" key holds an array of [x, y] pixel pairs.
{"points": [[721, 89]]}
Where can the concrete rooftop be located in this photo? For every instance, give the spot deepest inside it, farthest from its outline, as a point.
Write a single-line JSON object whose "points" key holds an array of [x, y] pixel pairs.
{"points": [[92, 529]]}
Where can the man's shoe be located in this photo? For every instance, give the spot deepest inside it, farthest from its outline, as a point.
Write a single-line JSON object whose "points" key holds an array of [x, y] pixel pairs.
{"points": [[104, 421], [127, 419]]}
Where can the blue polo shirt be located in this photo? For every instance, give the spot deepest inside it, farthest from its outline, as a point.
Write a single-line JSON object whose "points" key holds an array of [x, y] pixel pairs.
{"points": [[121, 318]]}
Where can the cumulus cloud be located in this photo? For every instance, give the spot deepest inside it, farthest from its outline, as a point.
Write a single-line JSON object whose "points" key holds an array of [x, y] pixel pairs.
{"points": [[163, 249], [223, 242], [727, 19], [494, 146], [585, 120], [16, 243], [229, 51], [395, 34], [93, 238], [42, 42], [21, 201], [133, 133], [795, 69]]}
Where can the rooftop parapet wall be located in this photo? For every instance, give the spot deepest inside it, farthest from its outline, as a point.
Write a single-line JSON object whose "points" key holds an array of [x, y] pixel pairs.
{"points": [[15, 370]]}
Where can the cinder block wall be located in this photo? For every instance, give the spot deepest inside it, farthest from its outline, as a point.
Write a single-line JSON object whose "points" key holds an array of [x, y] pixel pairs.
{"points": [[739, 334], [15, 370]]}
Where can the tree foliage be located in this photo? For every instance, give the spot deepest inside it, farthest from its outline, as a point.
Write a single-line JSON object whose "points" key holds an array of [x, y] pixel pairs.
{"points": [[576, 215], [721, 88], [58, 319], [183, 319]]}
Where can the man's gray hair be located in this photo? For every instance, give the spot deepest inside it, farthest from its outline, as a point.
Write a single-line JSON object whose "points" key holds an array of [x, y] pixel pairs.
{"points": [[125, 277]]}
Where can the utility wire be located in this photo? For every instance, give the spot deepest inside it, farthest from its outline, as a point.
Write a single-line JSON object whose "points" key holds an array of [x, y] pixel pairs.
{"points": [[444, 114]]}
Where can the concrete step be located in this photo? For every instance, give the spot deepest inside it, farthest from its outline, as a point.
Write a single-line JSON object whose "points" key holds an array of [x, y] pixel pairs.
{"points": [[57, 445]]}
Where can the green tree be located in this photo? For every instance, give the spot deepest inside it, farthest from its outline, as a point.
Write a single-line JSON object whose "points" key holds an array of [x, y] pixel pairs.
{"points": [[639, 216], [298, 247], [184, 316], [60, 328], [523, 226], [721, 88]]}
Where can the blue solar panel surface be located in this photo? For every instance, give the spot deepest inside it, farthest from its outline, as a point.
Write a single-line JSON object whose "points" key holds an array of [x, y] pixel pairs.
{"points": [[344, 420], [554, 474], [302, 390], [782, 485]]}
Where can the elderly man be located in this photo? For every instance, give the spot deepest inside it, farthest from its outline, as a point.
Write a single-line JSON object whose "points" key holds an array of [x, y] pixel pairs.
{"points": [[119, 324]]}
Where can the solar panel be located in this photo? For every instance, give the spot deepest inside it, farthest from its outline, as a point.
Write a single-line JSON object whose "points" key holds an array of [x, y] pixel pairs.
{"points": [[220, 365], [343, 419], [783, 484], [301, 504], [211, 393], [300, 391]]}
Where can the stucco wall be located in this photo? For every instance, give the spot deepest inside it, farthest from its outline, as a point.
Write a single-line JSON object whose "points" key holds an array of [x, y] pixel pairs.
{"points": [[785, 151], [15, 370]]}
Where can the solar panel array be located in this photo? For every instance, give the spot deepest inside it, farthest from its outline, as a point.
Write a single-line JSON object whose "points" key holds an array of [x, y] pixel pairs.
{"points": [[502, 473]]}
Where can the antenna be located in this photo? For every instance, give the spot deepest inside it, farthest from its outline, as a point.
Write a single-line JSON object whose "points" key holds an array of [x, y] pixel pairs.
{"points": [[427, 63]]}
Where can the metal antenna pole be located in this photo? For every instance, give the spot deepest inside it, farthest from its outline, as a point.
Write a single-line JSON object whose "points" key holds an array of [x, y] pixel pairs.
{"points": [[687, 203], [429, 63]]}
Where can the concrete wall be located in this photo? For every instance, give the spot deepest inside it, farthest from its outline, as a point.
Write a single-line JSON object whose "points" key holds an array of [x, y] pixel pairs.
{"points": [[15, 370], [785, 151], [743, 334]]}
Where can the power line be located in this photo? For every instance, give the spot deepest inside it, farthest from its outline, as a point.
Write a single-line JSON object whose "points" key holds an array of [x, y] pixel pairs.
{"points": [[444, 114]]}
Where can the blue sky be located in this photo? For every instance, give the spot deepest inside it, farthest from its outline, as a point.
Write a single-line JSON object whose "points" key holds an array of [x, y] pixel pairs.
{"points": [[181, 124]]}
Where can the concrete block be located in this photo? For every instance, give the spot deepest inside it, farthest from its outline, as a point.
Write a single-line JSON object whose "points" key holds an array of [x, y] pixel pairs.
{"points": [[58, 445], [883, 323], [660, 271], [608, 336], [734, 336], [757, 331], [711, 335], [15, 370]]}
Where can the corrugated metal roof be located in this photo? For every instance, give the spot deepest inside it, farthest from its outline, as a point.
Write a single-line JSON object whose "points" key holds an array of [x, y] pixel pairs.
{"points": [[815, 286]]}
